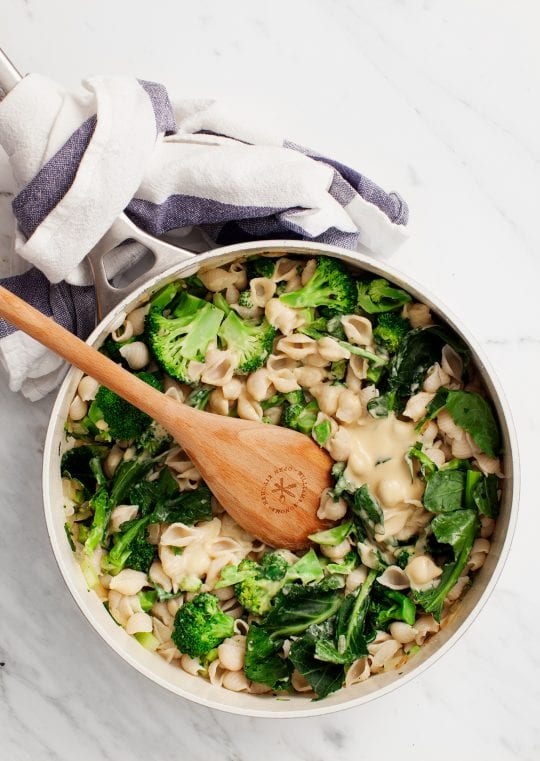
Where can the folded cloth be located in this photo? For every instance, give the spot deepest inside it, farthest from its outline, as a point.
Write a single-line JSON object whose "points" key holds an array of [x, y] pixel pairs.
{"points": [[78, 160]]}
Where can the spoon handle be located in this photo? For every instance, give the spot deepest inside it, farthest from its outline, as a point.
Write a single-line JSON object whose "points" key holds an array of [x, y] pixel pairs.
{"points": [[90, 361]]}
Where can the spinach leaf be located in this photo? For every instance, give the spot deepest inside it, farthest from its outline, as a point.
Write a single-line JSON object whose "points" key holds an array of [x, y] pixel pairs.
{"points": [[366, 507], [350, 620], [444, 491], [324, 678], [418, 351], [126, 476], [263, 663], [76, 464], [342, 485], [484, 494], [458, 529], [380, 406], [296, 607], [326, 651], [455, 529], [427, 466], [473, 413], [435, 406], [147, 494], [347, 642], [472, 478], [389, 605], [185, 507]]}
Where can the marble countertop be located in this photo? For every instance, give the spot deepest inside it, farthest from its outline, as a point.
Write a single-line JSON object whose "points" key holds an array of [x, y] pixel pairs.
{"points": [[437, 100]]}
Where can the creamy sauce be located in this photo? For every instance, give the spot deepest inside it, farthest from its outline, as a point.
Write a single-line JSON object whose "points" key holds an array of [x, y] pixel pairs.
{"points": [[377, 458]]}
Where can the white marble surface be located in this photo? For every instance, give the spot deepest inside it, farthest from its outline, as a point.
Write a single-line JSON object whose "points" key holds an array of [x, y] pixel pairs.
{"points": [[437, 100]]}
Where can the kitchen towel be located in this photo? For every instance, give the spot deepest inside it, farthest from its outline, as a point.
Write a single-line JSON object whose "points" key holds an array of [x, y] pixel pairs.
{"points": [[77, 160]]}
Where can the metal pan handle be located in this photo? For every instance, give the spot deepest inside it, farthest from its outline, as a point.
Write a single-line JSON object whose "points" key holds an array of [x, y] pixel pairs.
{"points": [[122, 229], [9, 76]]}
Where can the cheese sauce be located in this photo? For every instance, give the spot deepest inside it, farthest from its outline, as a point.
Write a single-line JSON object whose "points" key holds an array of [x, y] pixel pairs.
{"points": [[378, 448]]}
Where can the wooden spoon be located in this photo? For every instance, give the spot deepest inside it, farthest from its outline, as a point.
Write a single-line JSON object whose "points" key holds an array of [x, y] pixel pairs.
{"points": [[268, 478]]}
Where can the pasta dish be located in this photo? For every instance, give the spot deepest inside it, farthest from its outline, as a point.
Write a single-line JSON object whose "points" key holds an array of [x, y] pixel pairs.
{"points": [[350, 360]]}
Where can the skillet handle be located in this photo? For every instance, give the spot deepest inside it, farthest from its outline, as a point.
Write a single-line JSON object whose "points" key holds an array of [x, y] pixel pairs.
{"points": [[9, 76], [165, 256]]}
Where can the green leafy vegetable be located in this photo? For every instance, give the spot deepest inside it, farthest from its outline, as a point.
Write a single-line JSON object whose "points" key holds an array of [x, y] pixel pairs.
{"points": [[389, 605], [458, 529], [418, 351], [263, 663], [484, 494], [126, 475], [185, 507], [427, 466], [367, 510], [307, 569], [380, 406], [348, 564], [350, 642], [297, 607], [332, 536], [444, 491], [76, 464], [473, 413], [324, 678]]}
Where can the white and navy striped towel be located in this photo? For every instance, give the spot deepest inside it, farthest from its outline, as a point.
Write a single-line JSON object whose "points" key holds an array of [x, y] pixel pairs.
{"points": [[78, 160]]}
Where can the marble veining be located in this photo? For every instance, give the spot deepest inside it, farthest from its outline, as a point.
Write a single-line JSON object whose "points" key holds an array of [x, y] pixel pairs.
{"points": [[436, 100]]}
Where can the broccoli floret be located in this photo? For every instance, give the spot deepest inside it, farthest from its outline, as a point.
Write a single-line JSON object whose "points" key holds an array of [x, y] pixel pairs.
{"points": [[391, 330], [245, 300], [260, 266], [378, 295], [274, 566], [252, 343], [131, 548], [124, 421], [183, 336], [258, 589], [301, 417], [200, 625], [329, 286]]}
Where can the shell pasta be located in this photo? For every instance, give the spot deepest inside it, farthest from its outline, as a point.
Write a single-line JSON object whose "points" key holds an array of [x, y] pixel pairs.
{"points": [[350, 360]]}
